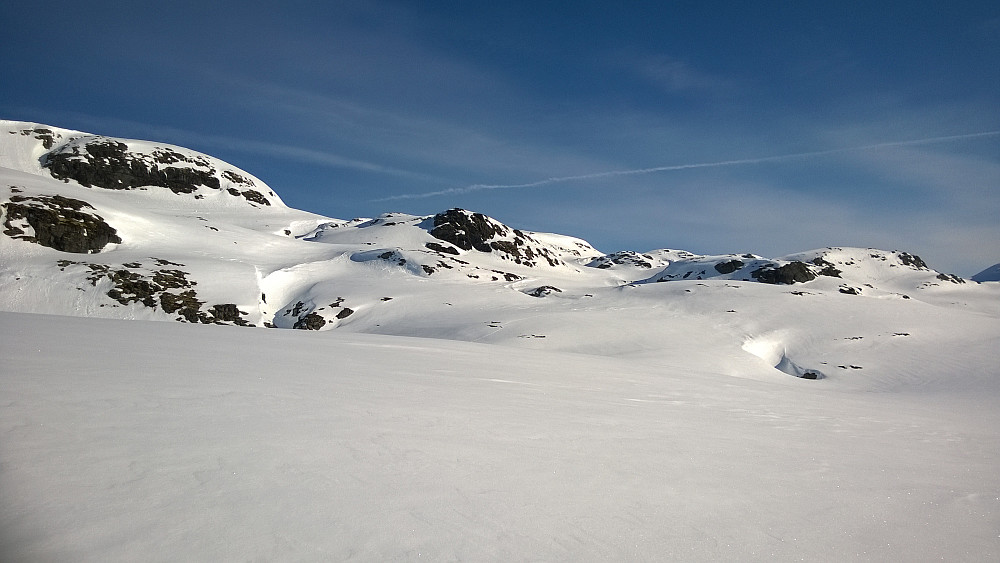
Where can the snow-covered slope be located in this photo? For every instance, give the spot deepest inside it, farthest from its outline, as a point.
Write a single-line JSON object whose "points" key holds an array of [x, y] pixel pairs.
{"points": [[989, 274], [141, 441], [476, 392], [103, 227]]}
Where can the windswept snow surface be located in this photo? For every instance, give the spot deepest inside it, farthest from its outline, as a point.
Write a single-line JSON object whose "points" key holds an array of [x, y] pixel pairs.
{"points": [[131, 440]]}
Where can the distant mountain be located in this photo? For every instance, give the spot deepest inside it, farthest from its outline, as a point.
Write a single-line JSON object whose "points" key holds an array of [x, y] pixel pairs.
{"points": [[989, 274], [105, 227]]}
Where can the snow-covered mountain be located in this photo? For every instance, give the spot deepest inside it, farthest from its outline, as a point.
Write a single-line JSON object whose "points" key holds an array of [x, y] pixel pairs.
{"points": [[103, 227], [989, 274], [474, 391]]}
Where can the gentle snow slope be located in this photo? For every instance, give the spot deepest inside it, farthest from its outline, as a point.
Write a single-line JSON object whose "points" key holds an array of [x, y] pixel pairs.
{"points": [[129, 441]]}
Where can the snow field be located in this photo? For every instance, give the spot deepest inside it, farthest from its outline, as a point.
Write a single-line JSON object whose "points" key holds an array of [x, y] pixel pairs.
{"points": [[160, 441]]}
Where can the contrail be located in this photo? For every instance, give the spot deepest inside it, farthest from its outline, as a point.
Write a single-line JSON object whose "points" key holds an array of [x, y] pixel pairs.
{"points": [[716, 164]]}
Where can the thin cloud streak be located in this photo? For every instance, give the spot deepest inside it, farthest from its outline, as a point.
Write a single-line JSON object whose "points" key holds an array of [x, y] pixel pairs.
{"points": [[301, 154], [716, 164]]}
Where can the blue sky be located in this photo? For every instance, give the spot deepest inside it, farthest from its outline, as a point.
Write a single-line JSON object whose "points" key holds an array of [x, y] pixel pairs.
{"points": [[812, 123]]}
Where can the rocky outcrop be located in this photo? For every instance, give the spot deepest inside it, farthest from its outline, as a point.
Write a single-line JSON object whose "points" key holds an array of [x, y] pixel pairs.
{"points": [[157, 286], [57, 222], [912, 261], [543, 291], [825, 268], [475, 231], [312, 321], [110, 164], [728, 266], [467, 230], [306, 316], [622, 258], [745, 267], [47, 136], [788, 274], [950, 278]]}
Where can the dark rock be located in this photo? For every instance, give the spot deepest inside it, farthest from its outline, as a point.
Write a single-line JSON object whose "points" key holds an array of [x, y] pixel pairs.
{"points": [[950, 278], [345, 312], [543, 291], [728, 267], [507, 275], [466, 230], [253, 196], [510, 247], [236, 178], [312, 321], [150, 289], [58, 222], [623, 258], [171, 279], [109, 164], [475, 231], [228, 312], [46, 136], [788, 274], [912, 261], [185, 304], [827, 268]]}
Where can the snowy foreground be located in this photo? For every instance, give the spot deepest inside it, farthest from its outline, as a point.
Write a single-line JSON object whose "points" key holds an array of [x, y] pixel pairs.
{"points": [[154, 441]]}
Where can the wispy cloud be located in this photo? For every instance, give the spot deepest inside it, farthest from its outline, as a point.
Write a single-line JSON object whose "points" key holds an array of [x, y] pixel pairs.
{"points": [[478, 142], [308, 155], [689, 166]]}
